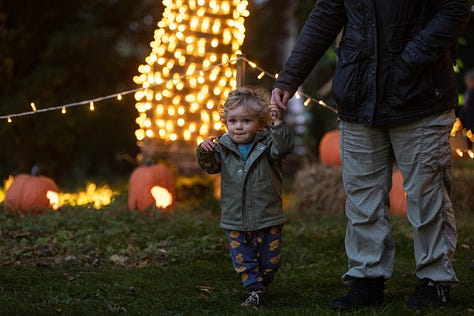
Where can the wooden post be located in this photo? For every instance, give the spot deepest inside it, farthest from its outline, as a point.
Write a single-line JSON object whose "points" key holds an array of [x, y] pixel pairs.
{"points": [[240, 66]]}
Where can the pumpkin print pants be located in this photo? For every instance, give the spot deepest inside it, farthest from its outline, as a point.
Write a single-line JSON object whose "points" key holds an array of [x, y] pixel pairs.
{"points": [[422, 152], [256, 255]]}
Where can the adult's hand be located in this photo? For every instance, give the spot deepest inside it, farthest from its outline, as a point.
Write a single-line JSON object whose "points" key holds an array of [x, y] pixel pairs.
{"points": [[280, 97]]}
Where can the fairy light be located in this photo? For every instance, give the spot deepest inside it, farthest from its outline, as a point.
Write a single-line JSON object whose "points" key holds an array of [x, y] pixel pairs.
{"points": [[252, 64], [192, 53], [33, 106], [261, 75], [91, 106], [457, 126], [458, 131], [193, 76]]}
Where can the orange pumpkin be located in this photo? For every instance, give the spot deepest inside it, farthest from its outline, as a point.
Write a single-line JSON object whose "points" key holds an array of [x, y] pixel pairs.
{"points": [[152, 186], [329, 149], [398, 199], [31, 194]]}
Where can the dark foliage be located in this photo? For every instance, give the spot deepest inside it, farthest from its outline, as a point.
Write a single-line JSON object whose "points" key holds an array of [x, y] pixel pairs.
{"points": [[57, 52]]}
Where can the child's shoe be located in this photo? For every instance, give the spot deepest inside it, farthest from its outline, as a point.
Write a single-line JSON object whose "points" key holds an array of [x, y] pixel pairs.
{"points": [[255, 299]]}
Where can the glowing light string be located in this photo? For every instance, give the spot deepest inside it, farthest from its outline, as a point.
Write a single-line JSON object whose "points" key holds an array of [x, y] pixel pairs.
{"points": [[65, 106], [262, 72], [119, 95], [298, 94]]}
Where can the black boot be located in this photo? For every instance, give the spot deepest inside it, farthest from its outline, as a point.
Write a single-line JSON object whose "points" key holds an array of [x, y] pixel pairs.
{"points": [[363, 292], [429, 293]]}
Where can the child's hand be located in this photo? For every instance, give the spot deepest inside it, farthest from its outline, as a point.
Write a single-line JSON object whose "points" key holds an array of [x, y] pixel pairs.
{"points": [[208, 144], [275, 113]]}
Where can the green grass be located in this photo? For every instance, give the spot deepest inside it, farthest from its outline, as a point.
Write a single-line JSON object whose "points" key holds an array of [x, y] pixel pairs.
{"points": [[82, 261]]}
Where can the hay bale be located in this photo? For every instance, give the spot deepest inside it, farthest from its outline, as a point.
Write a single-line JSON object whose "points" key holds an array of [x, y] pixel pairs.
{"points": [[318, 189], [463, 190]]}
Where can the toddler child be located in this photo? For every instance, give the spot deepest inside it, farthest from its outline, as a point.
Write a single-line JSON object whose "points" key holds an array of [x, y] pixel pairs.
{"points": [[249, 158]]}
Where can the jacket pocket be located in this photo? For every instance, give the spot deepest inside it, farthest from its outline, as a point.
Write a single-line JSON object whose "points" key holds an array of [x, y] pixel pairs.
{"points": [[266, 200], [346, 76], [409, 85]]}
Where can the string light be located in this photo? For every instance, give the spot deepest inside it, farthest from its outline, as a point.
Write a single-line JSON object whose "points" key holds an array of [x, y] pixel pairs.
{"points": [[457, 126], [63, 108], [33, 106], [119, 95], [91, 105], [298, 94]]}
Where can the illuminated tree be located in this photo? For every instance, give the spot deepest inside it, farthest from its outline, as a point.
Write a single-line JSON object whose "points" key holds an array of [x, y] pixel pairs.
{"points": [[189, 72]]}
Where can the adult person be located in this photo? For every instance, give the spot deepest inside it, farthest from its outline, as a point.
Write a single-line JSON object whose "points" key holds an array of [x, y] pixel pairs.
{"points": [[395, 90]]}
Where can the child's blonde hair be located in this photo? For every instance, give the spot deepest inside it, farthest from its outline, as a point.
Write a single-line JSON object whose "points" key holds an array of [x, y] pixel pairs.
{"points": [[255, 99]]}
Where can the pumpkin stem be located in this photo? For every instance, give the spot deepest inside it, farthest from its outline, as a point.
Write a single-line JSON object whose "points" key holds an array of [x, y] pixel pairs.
{"points": [[35, 170], [148, 162]]}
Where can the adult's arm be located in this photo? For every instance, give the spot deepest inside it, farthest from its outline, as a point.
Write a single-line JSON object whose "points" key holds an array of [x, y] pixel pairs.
{"points": [[440, 35], [320, 30]]}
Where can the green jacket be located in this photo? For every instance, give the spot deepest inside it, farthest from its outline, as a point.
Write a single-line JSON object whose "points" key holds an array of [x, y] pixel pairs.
{"points": [[251, 189]]}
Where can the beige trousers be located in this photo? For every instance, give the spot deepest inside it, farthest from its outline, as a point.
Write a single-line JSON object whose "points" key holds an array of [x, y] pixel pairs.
{"points": [[422, 152]]}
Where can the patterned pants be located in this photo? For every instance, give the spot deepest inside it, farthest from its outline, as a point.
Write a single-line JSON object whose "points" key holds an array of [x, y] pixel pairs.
{"points": [[256, 255]]}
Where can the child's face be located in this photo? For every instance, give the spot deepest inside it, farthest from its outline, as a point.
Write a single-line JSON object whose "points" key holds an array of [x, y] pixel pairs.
{"points": [[242, 125]]}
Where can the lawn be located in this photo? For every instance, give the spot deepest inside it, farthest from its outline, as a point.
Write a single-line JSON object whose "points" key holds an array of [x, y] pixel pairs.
{"points": [[83, 261]]}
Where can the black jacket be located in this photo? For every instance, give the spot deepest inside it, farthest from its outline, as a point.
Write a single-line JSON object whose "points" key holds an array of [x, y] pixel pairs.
{"points": [[395, 57]]}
